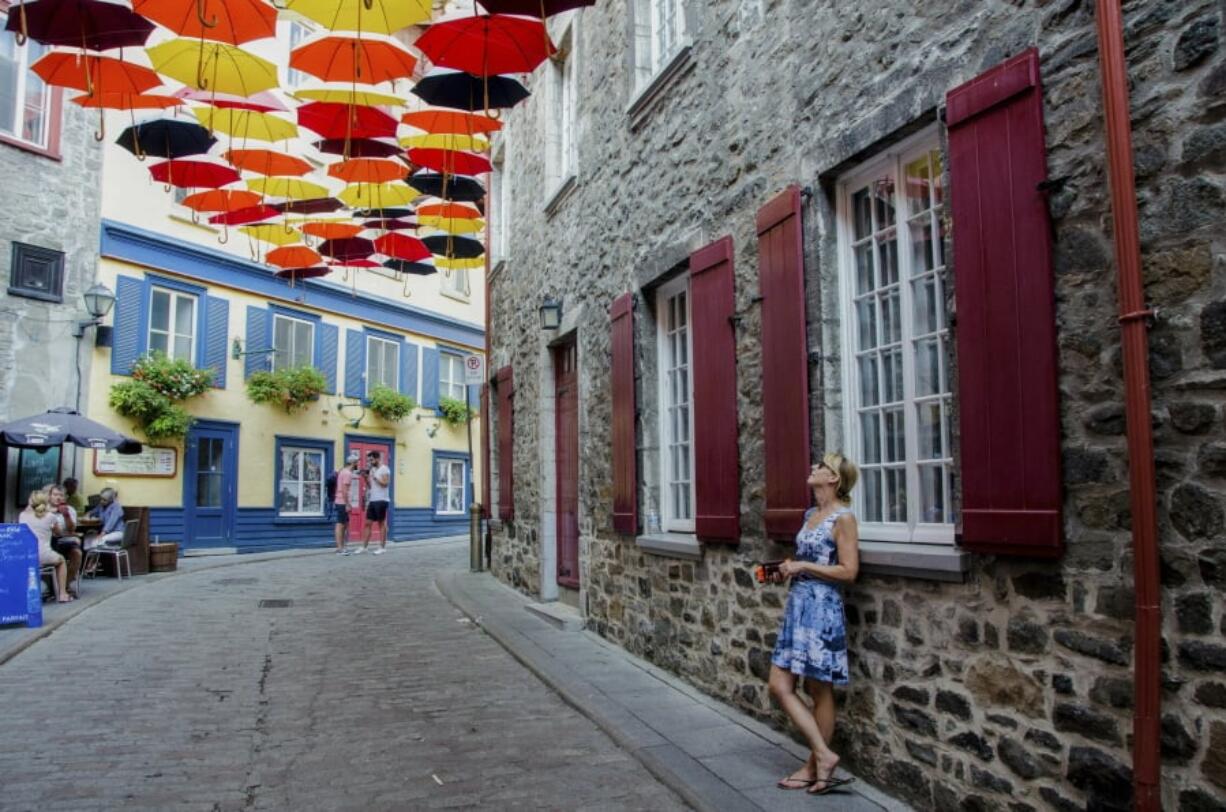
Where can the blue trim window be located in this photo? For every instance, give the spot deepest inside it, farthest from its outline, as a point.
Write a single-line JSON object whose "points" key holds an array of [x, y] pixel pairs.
{"points": [[450, 375], [382, 363], [302, 467], [172, 323], [293, 342], [450, 484]]}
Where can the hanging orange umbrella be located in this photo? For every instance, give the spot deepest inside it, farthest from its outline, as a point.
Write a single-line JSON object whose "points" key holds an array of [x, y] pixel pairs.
{"points": [[232, 21], [331, 231], [452, 210], [94, 74], [294, 256], [451, 121], [222, 200], [266, 162], [368, 170], [354, 59], [127, 101]]}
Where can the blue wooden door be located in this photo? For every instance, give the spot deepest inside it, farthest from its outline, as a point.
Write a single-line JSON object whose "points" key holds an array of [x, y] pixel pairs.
{"points": [[210, 484]]}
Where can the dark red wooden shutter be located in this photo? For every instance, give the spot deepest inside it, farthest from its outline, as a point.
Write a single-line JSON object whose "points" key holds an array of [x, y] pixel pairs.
{"points": [[625, 484], [506, 443], [716, 475], [1006, 329], [785, 366]]}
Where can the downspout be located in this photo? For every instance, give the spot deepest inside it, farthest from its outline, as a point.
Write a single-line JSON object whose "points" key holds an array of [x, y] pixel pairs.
{"points": [[1134, 317], [485, 390]]}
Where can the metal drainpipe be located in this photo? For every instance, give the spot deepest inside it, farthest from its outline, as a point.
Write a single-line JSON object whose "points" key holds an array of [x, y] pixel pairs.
{"points": [[485, 388], [1134, 316]]}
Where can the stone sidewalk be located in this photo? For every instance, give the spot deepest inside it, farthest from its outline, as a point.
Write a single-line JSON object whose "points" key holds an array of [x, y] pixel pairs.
{"points": [[710, 754]]}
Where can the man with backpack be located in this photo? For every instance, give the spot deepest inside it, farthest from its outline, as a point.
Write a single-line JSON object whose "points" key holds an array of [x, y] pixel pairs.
{"points": [[345, 494]]}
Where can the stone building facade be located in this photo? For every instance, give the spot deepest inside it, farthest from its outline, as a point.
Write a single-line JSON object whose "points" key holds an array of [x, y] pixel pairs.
{"points": [[49, 208], [979, 681]]}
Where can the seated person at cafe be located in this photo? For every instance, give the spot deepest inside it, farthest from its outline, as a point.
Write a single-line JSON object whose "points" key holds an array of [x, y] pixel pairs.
{"points": [[110, 512], [38, 517], [64, 539], [73, 495]]}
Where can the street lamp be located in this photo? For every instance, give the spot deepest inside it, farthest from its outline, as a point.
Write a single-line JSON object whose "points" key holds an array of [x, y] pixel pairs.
{"points": [[551, 314], [98, 302]]}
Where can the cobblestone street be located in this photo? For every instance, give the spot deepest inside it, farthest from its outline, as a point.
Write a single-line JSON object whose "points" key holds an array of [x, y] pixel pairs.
{"points": [[368, 691]]}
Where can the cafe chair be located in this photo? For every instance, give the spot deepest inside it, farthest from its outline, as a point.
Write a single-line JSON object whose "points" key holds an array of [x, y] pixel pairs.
{"points": [[43, 572], [130, 530]]}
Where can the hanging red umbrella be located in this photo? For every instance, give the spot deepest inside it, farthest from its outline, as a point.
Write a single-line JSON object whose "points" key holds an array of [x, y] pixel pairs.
{"points": [[355, 263], [242, 217], [93, 24], [193, 174], [344, 121], [534, 8], [358, 147], [229, 21], [94, 74], [347, 248], [450, 161], [402, 246], [487, 44], [354, 59]]}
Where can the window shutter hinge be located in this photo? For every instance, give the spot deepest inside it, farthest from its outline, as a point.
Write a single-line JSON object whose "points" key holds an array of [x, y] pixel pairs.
{"points": [[806, 192]]}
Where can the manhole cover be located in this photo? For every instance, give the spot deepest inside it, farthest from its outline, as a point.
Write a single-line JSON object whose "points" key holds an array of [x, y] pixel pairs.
{"points": [[276, 603], [235, 581]]}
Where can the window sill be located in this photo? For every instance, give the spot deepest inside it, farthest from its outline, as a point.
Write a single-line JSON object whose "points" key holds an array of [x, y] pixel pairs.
{"points": [[456, 295], [933, 562], [646, 98], [670, 545], [26, 146], [188, 221], [36, 294], [450, 517], [559, 194], [497, 266]]}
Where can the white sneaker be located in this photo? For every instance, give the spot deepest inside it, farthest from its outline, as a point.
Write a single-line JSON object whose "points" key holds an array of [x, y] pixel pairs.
{"points": [[380, 551], [359, 551]]}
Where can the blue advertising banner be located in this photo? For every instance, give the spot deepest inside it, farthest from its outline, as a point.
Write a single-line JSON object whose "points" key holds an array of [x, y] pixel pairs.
{"points": [[21, 590]]}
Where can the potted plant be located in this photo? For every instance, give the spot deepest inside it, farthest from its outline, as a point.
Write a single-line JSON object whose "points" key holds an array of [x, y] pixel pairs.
{"points": [[153, 395], [290, 389], [455, 412], [390, 404]]}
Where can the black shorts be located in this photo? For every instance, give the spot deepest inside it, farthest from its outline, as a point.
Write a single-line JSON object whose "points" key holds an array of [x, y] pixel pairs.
{"points": [[376, 511], [340, 513], [65, 545]]}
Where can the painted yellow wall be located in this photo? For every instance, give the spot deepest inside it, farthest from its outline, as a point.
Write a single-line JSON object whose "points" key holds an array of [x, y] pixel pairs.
{"points": [[261, 424]]}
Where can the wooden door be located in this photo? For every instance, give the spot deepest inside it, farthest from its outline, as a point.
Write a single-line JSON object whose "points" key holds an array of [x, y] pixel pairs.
{"points": [[363, 445], [566, 433], [210, 484]]}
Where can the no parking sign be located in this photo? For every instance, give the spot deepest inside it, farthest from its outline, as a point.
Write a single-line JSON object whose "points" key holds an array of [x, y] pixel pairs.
{"points": [[474, 369]]}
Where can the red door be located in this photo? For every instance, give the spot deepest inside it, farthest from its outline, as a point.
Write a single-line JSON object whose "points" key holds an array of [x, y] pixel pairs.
{"points": [[566, 425], [357, 516]]}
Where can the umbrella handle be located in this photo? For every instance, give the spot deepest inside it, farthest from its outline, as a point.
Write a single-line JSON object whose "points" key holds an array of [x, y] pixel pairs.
{"points": [[24, 34], [225, 234], [100, 134], [200, 15]]}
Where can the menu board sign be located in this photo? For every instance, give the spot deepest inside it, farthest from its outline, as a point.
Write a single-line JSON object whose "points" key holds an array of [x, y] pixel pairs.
{"points": [[152, 461], [21, 590]]}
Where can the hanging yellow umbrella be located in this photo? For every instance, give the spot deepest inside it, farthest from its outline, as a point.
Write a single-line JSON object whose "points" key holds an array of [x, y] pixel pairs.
{"points": [[453, 141], [289, 188], [349, 95], [248, 124], [377, 195], [458, 263], [213, 66], [451, 225], [375, 16], [274, 233]]}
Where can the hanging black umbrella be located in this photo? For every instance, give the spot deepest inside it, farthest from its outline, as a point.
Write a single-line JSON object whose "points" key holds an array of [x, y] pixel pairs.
{"points": [[358, 147], [415, 268], [463, 91], [65, 425], [448, 245], [92, 24], [533, 8], [315, 205], [453, 187], [383, 214], [390, 225], [166, 138]]}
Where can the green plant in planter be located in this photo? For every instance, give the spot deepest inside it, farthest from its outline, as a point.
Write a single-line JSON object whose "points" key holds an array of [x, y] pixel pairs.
{"points": [[455, 412], [151, 396], [291, 389], [390, 404]]}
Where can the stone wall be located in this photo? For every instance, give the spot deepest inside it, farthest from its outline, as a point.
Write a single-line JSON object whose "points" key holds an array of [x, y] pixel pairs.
{"points": [[51, 204], [1011, 690]]}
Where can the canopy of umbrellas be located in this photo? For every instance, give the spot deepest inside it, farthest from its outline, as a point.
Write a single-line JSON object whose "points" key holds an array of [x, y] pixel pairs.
{"points": [[389, 182]]}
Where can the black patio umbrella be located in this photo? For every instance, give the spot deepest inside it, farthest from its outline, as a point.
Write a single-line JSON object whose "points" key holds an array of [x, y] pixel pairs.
{"points": [[454, 187], [448, 245], [358, 147], [166, 138], [532, 8], [315, 205], [458, 90], [65, 425], [382, 214], [416, 268]]}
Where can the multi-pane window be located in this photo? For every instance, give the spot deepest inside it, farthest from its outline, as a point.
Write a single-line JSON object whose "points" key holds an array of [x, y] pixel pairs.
{"points": [[455, 281], [560, 131], [382, 363], [676, 414], [899, 399], [172, 324], [301, 489], [500, 208], [659, 32], [298, 33], [210, 469], [449, 476], [451, 376], [293, 342], [25, 100]]}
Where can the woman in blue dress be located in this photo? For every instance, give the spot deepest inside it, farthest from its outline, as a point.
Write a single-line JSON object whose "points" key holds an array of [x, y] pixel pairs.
{"points": [[812, 640]]}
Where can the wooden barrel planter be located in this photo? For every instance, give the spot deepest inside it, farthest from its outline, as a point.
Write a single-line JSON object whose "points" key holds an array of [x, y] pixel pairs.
{"points": [[164, 557]]}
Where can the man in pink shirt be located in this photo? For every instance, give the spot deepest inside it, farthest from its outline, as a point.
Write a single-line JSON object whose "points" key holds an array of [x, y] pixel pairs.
{"points": [[348, 496]]}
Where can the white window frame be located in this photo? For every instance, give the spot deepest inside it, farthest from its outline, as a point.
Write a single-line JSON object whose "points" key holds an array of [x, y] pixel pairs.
{"points": [[449, 488], [670, 522], [299, 32], [653, 49], [370, 382], [170, 332], [892, 165], [561, 158], [454, 283], [500, 205], [23, 75], [291, 352], [449, 384], [302, 482]]}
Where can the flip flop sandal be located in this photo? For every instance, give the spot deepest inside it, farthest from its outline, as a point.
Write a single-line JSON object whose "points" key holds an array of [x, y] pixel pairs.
{"points": [[796, 783], [830, 783]]}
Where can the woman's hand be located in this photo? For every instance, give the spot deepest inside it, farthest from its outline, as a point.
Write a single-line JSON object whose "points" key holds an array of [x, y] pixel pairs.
{"points": [[789, 568]]}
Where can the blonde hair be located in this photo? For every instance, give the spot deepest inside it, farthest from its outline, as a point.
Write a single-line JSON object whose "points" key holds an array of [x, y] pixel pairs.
{"points": [[847, 473], [38, 502]]}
